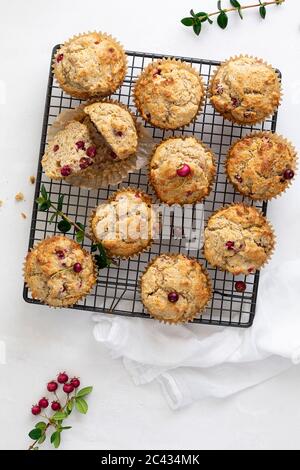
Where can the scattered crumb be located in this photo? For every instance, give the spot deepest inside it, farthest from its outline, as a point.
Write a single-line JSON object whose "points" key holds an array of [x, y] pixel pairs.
{"points": [[19, 197], [23, 215], [1, 203], [32, 179]]}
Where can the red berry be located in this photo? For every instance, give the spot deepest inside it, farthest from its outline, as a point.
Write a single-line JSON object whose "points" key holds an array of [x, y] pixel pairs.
{"points": [[43, 403], [55, 405], [184, 170], [55, 148], [65, 170], [75, 382], [235, 102], [36, 409], [77, 267], [59, 58], [173, 297], [68, 388], [84, 162], [60, 254], [62, 378], [240, 286], [52, 386], [80, 145], [91, 151], [229, 245], [288, 174]]}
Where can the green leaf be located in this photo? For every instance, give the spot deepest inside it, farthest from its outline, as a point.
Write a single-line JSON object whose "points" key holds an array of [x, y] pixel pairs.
{"points": [[70, 405], [52, 217], [55, 439], [35, 433], [235, 4], [197, 28], [240, 14], [41, 425], [66, 427], [42, 439], [81, 405], [192, 13], [79, 236], [219, 5], [209, 20], [101, 259], [60, 202], [40, 200], [222, 20], [44, 192], [35, 448], [59, 416], [262, 11], [45, 206], [187, 21], [94, 248], [202, 16], [64, 226], [84, 391]]}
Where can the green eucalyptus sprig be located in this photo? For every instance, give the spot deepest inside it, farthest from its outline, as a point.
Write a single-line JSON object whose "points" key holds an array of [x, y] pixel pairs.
{"points": [[65, 224], [196, 19], [75, 399]]}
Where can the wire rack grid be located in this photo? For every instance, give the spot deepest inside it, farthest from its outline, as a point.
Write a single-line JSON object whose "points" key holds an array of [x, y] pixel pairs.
{"points": [[117, 288]]}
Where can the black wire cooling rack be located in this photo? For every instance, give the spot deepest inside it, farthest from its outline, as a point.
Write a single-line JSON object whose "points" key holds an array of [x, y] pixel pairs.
{"points": [[117, 288]]}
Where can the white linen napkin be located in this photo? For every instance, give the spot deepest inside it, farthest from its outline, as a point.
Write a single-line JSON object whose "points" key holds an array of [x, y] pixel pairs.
{"points": [[196, 361]]}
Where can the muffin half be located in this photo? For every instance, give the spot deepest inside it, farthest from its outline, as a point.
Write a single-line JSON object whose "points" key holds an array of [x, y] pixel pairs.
{"points": [[59, 272], [245, 90], [169, 93], [117, 126], [238, 239], [182, 170], [261, 165], [175, 288], [125, 224], [89, 65]]}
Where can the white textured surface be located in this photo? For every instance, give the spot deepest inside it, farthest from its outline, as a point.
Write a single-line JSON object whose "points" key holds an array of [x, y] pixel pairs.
{"points": [[40, 341]]}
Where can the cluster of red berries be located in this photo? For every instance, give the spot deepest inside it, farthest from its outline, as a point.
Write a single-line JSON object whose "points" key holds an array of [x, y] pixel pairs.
{"points": [[52, 386]]}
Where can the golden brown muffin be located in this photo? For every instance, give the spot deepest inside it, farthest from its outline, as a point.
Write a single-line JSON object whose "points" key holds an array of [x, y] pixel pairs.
{"points": [[90, 64], [238, 239], [117, 126], [182, 170], [175, 288], [245, 90], [59, 272], [169, 93], [125, 224], [70, 152], [261, 165]]}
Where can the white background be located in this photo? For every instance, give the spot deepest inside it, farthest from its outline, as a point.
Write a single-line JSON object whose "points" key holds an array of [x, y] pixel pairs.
{"points": [[39, 341]]}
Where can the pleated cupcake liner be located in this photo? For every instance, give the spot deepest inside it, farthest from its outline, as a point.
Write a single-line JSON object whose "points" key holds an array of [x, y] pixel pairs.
{"points": [[182, 64], [266, 222], [233, 58], [209, 287], [205, 147], [108, 171], [89, 287], [145, 198], [86, 95], [277, 137]]}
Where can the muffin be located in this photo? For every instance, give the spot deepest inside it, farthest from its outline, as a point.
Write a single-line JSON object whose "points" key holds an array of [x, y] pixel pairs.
{"points": [[245, 90], [59, 272], [70, 152], [238, 239], [117, 126], [261, 165], [125, 224], [182, 170], [169, 93], [175, 288], [90, 64]]}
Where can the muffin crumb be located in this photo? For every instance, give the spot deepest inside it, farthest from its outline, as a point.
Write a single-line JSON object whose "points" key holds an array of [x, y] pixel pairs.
{"points": [[23, 215], [32, 179], [19, 197]]}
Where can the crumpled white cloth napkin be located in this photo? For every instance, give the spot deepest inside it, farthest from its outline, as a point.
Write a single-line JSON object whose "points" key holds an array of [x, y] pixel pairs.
{"points": [[196, 361]]}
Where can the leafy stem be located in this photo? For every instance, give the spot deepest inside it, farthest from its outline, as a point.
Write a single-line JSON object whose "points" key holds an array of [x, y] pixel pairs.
{"points": [[65, 224], [196, 19]]}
